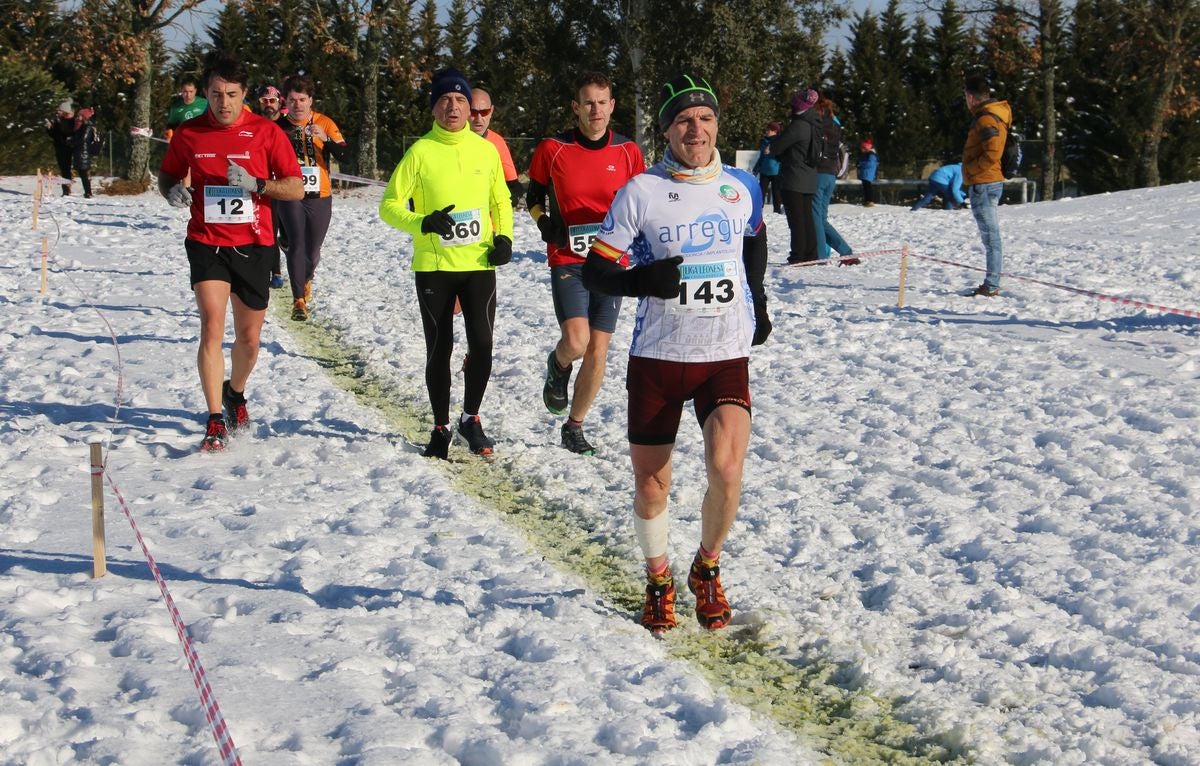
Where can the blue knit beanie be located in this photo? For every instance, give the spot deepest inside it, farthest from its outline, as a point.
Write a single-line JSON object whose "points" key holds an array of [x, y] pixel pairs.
{"points": [[448, 81]]}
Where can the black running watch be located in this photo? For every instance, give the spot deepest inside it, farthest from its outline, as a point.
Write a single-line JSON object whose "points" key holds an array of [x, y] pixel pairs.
{"points": [[261, 187]]}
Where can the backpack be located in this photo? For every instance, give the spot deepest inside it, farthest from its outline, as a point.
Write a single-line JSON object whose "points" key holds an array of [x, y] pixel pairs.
{"points": [[831, 150], [1013, 154]]}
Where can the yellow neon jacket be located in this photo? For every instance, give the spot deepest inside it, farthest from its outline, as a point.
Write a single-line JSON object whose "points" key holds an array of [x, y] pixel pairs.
{"points": [[444, 168]]}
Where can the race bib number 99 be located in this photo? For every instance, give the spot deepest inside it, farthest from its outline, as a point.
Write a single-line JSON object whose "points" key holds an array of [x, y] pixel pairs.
{"points": [[581, 237], [310, 176], [708, 289], [227, 204], [468, 228]]}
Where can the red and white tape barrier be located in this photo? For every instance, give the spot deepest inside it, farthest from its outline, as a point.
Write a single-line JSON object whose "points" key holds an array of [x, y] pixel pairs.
{"points": [[208, 700], [357, 179], [1078, 291], [840, 258]]}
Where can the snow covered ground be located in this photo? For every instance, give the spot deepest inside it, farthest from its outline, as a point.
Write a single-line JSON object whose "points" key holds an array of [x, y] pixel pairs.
{"points": [[977, 516]]}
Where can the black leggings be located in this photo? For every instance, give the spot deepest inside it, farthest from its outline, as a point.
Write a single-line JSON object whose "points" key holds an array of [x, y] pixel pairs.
{"points": [[476, 291], [306, 223], [798, 208]]}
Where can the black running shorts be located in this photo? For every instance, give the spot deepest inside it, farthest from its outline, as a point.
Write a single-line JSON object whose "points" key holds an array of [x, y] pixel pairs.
{"points": [[658, 389], [572, 299], [247, 269]]}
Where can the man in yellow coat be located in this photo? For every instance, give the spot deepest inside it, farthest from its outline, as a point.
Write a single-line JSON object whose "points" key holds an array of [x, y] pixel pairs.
{"points": [[461, 221]]}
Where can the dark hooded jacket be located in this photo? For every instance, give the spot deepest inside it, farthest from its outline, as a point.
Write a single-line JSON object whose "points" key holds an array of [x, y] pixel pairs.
{"points": [[796, 149]]}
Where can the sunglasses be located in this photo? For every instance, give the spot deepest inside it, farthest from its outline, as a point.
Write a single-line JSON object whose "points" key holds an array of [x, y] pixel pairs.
{"points": [[268, 101], [481, 112]]}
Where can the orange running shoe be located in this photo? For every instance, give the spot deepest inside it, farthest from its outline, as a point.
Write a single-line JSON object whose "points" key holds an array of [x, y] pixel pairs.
{"points": [[704, 581], [658, 613]]}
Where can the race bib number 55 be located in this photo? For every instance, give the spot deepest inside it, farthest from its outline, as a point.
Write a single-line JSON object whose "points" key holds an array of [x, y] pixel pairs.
{"points": [[708, 289], [581, 237]]}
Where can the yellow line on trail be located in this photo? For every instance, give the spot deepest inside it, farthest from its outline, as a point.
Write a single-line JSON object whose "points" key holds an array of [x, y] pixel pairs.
{"points": [[850, 726]]}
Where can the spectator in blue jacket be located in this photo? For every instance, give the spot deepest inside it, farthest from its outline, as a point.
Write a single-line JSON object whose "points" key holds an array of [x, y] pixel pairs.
{"points": [[868, 166], [945, 182], [767, 170]]}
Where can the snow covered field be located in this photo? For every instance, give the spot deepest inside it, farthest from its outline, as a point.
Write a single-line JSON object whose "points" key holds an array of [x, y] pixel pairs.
{"points": [[979, 515]]}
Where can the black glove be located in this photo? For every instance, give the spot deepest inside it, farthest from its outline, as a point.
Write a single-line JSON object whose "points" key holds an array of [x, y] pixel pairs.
{"points": [[762, 322], [438, 222], [516, 190], [659, 279], [501, 252], [552, 230]]}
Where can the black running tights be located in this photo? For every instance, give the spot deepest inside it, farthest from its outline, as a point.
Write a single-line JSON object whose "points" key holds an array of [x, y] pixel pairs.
{"points": [[476, 291]]}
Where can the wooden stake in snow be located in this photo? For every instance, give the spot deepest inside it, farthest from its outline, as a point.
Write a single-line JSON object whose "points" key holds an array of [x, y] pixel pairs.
{"points": [[45, 261], [903, 274], [37, 198], [99, 562]]}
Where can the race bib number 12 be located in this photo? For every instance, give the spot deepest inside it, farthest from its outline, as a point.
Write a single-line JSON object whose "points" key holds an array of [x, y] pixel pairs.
{"points": [[227, 204]]}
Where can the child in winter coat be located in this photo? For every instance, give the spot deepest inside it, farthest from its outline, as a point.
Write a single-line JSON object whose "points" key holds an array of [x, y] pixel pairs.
{"points": [[945, 182], [767, 170], [85, 144], [868, 165]]}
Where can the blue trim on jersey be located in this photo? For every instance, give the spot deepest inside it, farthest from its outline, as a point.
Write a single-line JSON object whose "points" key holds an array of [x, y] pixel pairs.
{"points": [[755, 224]]}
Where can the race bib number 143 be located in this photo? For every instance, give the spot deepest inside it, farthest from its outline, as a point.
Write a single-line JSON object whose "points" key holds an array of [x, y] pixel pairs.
{"points": [[708, 288]]}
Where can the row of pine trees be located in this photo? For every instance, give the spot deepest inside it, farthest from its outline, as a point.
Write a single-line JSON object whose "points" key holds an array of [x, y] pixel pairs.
{"points": [[1105, 92]]}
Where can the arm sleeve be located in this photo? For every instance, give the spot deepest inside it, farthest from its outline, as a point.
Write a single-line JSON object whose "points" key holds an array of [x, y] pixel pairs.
{"points": [[602, 275], [754, 258], [501, 201], [535, 197], [506, 161], [393, 208]]}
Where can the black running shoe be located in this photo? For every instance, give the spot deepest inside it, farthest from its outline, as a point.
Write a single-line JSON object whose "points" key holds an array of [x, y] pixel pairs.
{"points": [[554, 392], [472, 433], [574, 440], [216, 437], [439, 443], [236, 414]]}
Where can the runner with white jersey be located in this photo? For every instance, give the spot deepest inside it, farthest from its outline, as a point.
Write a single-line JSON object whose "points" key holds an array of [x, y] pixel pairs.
{"points": [[694, 234], [572, 180]]}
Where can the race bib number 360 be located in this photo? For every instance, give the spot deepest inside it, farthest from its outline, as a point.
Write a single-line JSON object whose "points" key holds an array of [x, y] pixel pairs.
{"points": [[708, 289], [468, 228], [227, 204]]}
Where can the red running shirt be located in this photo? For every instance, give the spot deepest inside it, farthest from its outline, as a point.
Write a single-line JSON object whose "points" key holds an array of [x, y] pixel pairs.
{"points": [[582, 181], [205, 147]]}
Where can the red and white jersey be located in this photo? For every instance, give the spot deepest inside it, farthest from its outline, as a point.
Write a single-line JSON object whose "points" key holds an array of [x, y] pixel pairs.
{"points": [[583, 182], [225, 215]]}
